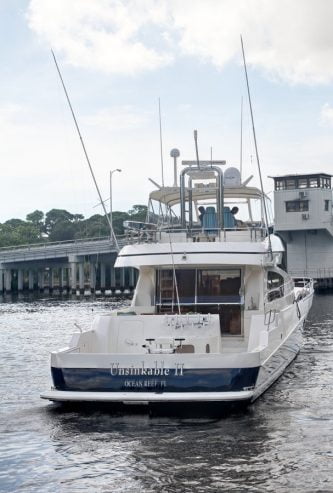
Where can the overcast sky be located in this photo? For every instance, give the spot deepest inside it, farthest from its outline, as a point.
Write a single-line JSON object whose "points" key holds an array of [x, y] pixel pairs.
{"points": [[118, 57]]}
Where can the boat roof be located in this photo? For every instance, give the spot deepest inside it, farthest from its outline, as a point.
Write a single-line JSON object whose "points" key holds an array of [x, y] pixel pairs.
{"points": [[171, 195], [300, 175]]}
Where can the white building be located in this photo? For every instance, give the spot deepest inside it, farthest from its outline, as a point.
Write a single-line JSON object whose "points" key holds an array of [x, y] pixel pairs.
{"points": [[304, 220]]}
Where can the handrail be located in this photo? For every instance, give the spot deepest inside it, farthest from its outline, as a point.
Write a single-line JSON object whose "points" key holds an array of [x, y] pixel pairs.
{"points": [[255, 233], [55, 243]]}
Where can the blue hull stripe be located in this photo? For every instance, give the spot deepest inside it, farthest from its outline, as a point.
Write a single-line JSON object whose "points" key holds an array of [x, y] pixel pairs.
{"points": [[188, 380]]}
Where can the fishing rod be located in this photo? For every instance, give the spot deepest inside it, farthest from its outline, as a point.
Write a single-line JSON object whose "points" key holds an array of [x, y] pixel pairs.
{"points": [[256, 149], [113, 236], [161, 140]]}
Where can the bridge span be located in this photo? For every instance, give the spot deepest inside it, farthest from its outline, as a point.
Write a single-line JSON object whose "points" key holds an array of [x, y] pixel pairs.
{"points": [[77, 266]]}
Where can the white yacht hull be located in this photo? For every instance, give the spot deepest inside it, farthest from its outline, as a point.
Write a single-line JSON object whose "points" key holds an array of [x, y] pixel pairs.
{"points": [[233, 378]]}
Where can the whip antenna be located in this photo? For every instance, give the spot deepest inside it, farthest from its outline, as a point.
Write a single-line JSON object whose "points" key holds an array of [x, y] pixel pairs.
{"points": [[113, 236], [241, 140], [161, 140], [256, 148], [195, 133]]}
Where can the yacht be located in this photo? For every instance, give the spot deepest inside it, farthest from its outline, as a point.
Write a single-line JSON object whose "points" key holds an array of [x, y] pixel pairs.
{"points": [[215, 317]]}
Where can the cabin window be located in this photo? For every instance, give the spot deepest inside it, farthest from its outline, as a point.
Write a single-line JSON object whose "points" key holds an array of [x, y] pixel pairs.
{"points": [[280, 184], [166, 286], [326, 205], [216, 286], [302, 183], [325, 182], [203, 291], [290, 183], [297, 205], [313, 182], [275, 285]]}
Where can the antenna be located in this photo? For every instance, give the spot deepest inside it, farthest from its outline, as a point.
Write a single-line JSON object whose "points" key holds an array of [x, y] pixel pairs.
{"points": [[256, 147], [161, 140], [241, 140], [196, 147], [85, 152], [154, 183]]}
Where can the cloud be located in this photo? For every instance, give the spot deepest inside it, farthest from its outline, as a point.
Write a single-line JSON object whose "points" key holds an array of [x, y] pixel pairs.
{"points": [[118, 118], [103, 34], [289, 40], [326, 115]]}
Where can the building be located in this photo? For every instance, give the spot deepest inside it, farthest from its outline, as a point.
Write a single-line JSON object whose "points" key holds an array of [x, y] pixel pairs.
{"points": [[304, 220]]}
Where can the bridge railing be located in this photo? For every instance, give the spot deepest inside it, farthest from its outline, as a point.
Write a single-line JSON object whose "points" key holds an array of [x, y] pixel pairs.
{"points": [[48, 244]]}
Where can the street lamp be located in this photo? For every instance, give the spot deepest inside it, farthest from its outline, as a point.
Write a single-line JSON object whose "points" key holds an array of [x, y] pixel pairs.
{"points": [[111, 173]]}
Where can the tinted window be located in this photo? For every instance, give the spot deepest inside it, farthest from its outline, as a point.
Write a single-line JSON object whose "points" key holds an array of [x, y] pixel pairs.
{"points": [[219, 286], [290, 183], [297, 205], [302, 183], [275, 284]]}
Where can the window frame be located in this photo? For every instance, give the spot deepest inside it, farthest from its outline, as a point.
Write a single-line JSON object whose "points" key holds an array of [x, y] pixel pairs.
{"points": [[297, 205]]}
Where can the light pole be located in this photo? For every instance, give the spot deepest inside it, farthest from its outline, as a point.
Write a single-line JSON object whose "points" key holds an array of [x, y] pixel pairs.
{"points": [[111, 173]]}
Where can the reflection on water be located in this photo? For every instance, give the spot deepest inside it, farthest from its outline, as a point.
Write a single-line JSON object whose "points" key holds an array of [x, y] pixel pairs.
{"points": [[282, 443]]}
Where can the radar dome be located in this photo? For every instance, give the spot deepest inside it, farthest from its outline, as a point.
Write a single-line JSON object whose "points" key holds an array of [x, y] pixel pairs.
{"points": [[232, 177]]}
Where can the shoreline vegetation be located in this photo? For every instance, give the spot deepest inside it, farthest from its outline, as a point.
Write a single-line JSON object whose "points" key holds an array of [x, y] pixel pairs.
{"points": [[61, 225]]}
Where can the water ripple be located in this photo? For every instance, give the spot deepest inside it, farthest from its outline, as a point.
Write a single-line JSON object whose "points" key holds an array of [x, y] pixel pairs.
{"points": [[282, 443]]}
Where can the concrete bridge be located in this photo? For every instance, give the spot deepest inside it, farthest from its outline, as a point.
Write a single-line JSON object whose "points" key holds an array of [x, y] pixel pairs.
{"points": [[75, 266]]}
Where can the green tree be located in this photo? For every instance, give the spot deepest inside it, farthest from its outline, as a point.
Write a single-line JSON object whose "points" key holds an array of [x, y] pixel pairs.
{"points": [[62, 231], [118, 219], [18, 232], [37, 219], [93, 227], [138, 212], [55, 216]]}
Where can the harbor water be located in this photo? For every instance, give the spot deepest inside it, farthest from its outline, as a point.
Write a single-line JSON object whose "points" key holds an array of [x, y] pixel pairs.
{"points": [[282, 443]]}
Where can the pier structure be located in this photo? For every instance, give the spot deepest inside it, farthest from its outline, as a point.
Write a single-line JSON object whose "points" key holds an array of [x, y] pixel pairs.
{"points": [[303, 218], [78, 267]]}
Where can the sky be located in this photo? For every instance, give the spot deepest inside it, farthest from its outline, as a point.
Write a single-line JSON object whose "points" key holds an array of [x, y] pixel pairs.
{"points": [[119, 57]]}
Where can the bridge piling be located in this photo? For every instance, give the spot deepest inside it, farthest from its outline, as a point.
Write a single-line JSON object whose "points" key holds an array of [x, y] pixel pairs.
{"points": [[31, 280], [20, 277], [78, 266], [8, 280], [81, 277], [102, 277], [73, 267]]}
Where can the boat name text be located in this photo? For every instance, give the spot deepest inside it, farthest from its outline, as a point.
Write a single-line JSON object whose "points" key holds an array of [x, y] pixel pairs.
{"points": [[158, 370]]}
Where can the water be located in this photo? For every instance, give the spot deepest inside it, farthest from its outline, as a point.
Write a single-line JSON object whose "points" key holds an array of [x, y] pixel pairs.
{"points": [[283, 443]]}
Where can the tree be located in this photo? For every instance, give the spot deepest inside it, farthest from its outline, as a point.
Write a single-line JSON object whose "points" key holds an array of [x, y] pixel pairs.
{"points": [[61, 225], [138, 212], [62, 231], [55, 216], [118, 219], [37, 219], [18, 232], [95, 226]]}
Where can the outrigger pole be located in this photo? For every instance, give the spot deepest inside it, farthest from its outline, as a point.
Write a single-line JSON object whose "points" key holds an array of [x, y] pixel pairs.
{"points": [[161, 140], [256, 149], [113, 236]]}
